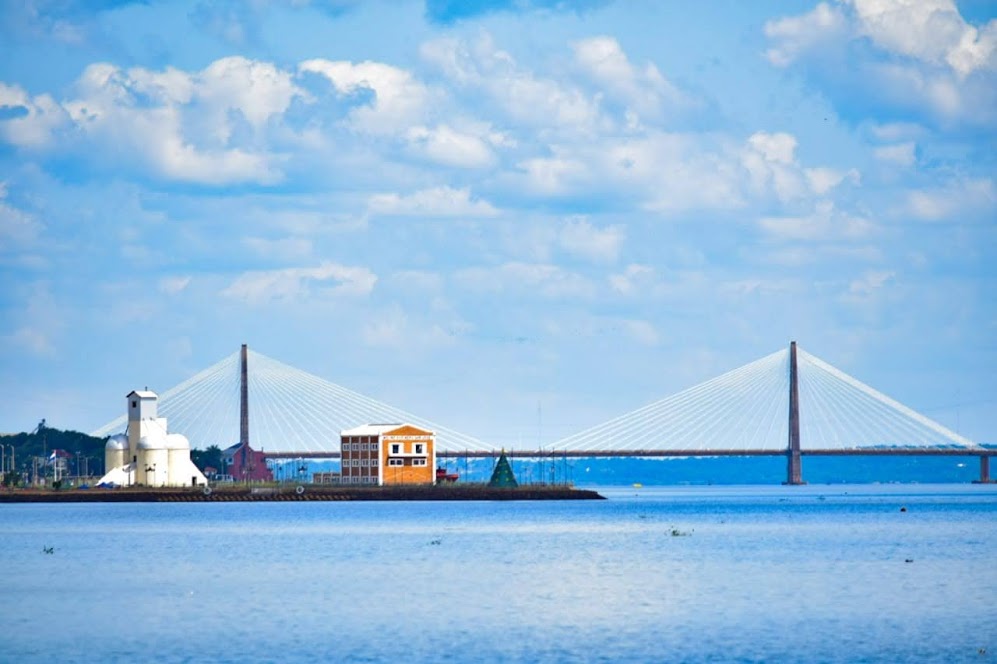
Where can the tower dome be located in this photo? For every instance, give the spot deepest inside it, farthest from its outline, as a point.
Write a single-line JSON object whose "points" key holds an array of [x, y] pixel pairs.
{"points": [[152, 443], [177, 441], [117, 443]]}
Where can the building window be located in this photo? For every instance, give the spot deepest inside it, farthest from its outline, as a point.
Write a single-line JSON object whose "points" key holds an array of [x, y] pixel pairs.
{"points": [[396, 448], [373, 461], [419, 462], [396, 462], [366, 462], [134, 404], [420, 448]]}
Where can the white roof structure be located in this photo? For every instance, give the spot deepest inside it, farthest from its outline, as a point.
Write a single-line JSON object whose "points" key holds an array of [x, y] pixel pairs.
{"points": [[143, 394], [377, 429]]}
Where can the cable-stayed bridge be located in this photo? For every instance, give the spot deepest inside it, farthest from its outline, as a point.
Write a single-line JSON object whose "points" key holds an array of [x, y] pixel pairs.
{"points": [[789, 403], [293, 413]]}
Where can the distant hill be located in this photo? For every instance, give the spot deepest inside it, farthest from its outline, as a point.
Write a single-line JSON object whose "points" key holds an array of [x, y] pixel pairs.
{"points": [[43, 442]]}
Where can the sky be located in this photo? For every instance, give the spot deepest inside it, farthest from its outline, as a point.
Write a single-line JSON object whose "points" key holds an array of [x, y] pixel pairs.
{"points": [[517, 218]]}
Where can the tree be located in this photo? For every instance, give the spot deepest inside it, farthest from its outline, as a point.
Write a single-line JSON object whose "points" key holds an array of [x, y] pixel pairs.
{"points": [[211, 457]]}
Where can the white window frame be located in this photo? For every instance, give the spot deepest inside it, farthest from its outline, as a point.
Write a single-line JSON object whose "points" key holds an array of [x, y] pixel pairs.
{"points": [[420, 462], [396, 462]]}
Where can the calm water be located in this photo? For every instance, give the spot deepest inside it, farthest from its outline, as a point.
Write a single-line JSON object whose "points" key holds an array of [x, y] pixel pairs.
{"points": [[760, 574]]}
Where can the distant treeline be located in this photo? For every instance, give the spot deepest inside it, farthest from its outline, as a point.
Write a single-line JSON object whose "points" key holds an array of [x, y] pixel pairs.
{"points": [[45, 440], [80, 448]]}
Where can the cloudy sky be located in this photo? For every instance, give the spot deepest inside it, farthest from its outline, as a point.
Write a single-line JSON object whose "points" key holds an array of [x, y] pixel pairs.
{"points": [[517, 218]]}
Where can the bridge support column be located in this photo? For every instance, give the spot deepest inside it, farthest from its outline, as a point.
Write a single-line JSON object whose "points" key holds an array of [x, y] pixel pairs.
{"points": [[244, 396], [984, 471], [794, 465]]}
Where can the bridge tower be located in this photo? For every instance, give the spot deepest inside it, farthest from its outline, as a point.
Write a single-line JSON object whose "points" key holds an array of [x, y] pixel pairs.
{"points": [[244, 397], [244, 407], [794, 470]]}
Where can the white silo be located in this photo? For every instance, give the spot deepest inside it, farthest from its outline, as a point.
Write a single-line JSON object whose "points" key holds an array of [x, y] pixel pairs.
{"points": [[116, 452], [178, 448], [153, 466]]}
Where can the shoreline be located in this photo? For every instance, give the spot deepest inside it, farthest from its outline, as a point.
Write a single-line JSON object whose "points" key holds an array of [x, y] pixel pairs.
{"points": [[295, 493]]}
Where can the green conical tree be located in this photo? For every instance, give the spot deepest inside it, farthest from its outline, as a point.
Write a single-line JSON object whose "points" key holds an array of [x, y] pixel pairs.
{"points": [[502, 476]]}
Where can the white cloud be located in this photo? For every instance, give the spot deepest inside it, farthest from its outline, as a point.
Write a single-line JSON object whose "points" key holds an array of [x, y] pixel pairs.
{"points": [[541, 279], [870, 282], [954, 201], [580, 238], [436, 202], [929, 30], [523, 97], [297, 282], [32, 121], [796, 34], [178, 125], [399, 100], [173, 285], [142, 115], [394, 328], [825, 222], [779, 148], [16, 226], [645, 90], [257, 90], [822, 180], [924, 56], [770, 160], [658, 171], [632, 279], [902, 154], [893, 132], [450, 147]]}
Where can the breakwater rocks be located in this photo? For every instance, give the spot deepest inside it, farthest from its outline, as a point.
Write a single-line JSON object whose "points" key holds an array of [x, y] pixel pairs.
{"points": [[295, 493]]}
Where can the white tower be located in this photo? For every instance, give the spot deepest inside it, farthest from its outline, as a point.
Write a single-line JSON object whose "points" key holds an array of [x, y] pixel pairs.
{"points": [[142, 408]]}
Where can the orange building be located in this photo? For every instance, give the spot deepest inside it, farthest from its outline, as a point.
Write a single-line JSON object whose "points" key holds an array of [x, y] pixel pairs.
{"points": [[387, 454]]}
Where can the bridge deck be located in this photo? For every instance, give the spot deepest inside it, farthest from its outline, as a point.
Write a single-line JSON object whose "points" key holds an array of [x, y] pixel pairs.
{"points": [[580, 454]]}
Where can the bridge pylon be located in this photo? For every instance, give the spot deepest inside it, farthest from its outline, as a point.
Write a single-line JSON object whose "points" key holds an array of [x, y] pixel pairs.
{"points": [[794, 465]]}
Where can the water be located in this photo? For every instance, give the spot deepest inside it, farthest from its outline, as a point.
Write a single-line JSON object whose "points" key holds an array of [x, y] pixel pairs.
{"points": [[734, 574]]}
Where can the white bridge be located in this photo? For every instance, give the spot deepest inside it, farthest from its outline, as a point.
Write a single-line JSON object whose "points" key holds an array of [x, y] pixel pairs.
{"points": [[788, 403]]}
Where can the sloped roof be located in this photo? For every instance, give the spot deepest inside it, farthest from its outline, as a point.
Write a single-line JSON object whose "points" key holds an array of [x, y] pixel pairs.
{"points": [[143, 394], [379, 429]]}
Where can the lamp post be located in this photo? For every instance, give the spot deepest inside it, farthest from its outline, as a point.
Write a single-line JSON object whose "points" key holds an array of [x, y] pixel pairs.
{"points": [[3, 457]]}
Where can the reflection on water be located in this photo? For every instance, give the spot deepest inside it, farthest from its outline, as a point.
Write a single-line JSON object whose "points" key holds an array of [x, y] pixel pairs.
{"points": [[706, 574]]}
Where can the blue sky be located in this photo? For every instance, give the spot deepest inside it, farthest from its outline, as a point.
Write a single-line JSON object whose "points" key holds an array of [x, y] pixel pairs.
{"points": [[476, 211]]}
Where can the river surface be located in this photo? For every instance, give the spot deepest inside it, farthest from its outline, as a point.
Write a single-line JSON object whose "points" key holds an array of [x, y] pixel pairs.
{"points": [[708, 574]]}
